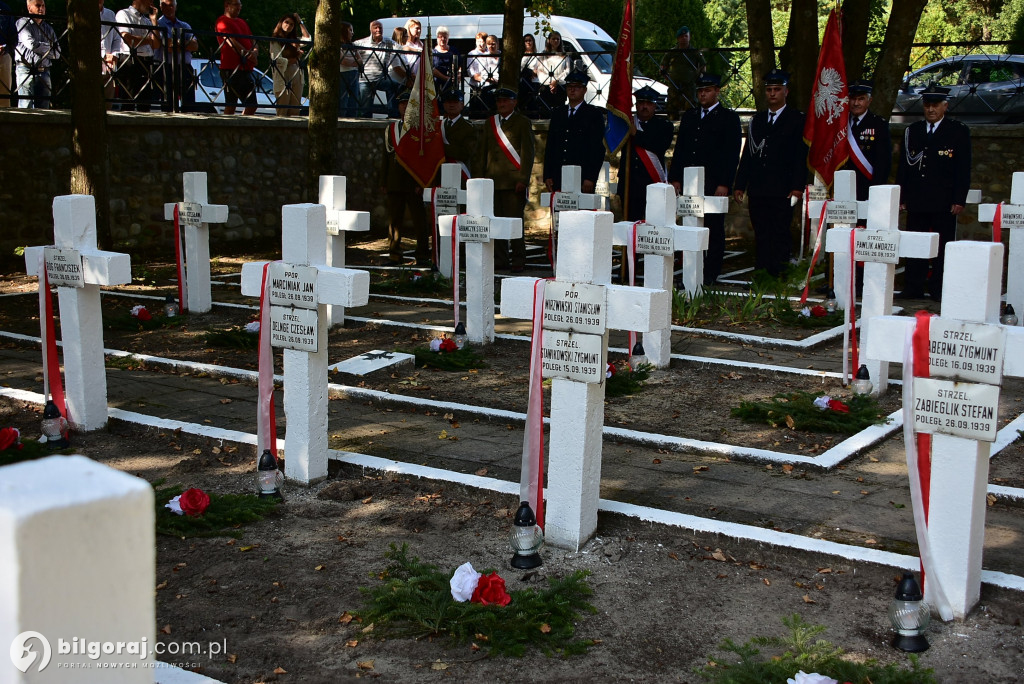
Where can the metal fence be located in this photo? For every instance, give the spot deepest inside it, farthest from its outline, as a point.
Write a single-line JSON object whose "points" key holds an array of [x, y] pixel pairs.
{"points": [[202, 71]]}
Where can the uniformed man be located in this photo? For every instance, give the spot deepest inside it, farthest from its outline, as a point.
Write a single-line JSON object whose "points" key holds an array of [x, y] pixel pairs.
{"points": [[575, 137], [773, 172], [682, 67], [870, 142], [507, 151], [403, 192], [460, 136], [646, 153], [934, 176], [709, 136]]}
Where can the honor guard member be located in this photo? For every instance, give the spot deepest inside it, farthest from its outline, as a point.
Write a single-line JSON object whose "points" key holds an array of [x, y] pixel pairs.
{"points": [[460, 136], [773, 172], [870, 142], [709, 136], [934, 176], [575, 137], [646, 153], [507, 158], [402, 192]]}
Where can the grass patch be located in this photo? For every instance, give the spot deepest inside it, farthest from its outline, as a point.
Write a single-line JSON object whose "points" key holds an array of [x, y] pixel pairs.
{"points": [[415, 601], [797, 411], [461, 360], [236, 337], [129, 362], [794, 319], [29, 451], [627, 381], [802, 650], [226, 514]]}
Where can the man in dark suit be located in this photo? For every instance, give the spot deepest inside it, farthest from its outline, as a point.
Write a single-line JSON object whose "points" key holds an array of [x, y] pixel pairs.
{"points": [[773, 172], [575, 137], [460, 136], [934, 176], [646, 154], [709, 136], [507, 152], [870, 142], [403, 192]]}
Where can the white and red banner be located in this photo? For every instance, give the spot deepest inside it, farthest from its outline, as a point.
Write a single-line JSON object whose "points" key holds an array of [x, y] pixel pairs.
{"points": [[420, 150], [826, 129], [531, 483]]}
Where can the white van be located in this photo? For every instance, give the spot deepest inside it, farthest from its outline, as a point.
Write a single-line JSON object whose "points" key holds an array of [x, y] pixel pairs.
{"points": [[596, 47]]}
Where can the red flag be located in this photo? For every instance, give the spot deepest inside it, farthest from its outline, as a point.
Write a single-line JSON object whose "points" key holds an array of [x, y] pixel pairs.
{"points": [[619, 125], [828, 116], [420, 150]]}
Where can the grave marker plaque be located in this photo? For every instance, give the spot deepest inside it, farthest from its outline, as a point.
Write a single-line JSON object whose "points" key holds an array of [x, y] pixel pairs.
{"points": [[63, 267]]}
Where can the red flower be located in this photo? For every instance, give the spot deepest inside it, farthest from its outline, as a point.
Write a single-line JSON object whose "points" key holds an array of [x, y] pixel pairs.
{"points": [[838, 406], [194, 502], [448, 345], [9, 438], [818, 311], [491, 590], [610, 370]]}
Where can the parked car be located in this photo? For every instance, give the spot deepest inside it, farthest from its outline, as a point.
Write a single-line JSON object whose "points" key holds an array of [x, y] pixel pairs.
{"points": [[982, 88], [210, 90]]}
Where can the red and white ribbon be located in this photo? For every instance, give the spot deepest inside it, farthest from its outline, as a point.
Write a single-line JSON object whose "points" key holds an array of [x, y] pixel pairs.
{"points": [[652, 164], [919, 456], [53, 387], [850, 328], [504, 143], [455, 265], [531, 483], [179, 254], [857, 155], [997, 224], [551, 230], [437, 230], [266, 422], [631, 264], [817, 251]]}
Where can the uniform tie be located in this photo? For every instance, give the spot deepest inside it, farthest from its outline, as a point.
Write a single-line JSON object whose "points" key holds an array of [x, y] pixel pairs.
{"points": [[704, 112], [771, 118]]}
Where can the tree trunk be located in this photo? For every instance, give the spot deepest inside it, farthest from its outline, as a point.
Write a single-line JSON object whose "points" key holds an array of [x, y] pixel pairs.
{"points": [[762, 46], [511, 44], [895, 55], [324, 84], [856, 17], [89, 160], [799, 56]]}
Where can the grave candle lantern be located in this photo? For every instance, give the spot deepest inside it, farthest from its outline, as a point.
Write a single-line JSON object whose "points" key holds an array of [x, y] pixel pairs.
{"points": [[460, 334], [862, 381], [1009, 316], [910, 616], [170, 307], [54, 426], [269, 476], [639, 355], [830, 301], [527, 538]]}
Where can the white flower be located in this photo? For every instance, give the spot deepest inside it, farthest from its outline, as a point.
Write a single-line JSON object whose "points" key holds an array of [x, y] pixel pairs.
{"points": [[174, 505], [464, 582], [806, 311], [813, 678], [435, 344], [137, 309], [252, 327], [822, 401]]}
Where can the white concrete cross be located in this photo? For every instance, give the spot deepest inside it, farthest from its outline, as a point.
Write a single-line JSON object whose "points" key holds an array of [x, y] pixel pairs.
{"points": [[81, 314], [339, 221], [959, 465], [879, 246], [448, 198], [478, 229], [63, 507], [691, 206], [580, 307], [1012, 221], [658, 240], [304, 278], [843, 212], [571, 197], [194, 216], [605, 187]]}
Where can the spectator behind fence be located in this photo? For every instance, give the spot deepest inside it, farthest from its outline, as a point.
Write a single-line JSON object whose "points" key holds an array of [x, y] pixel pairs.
{"points": [[445, 62], [174, 59], [480, 67], [37, 49], [412, 50], [529, 83], [348, 91], [237, 59], [8, 41], [135, 74], [285, 55], [378, 59], [682, 66], [552, 70], [110, 46]]}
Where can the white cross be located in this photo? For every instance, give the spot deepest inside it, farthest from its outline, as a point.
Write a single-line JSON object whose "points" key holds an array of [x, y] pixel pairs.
{"points": [[571, 197], [451, 186], [959, 466], [479, 253], [81, 315], [604, 185], [577, 407], [843, 212], [194, 215], [691, 206], [1013, 221], [339, 221], [304, 244], [659, 257], [883, 207]]}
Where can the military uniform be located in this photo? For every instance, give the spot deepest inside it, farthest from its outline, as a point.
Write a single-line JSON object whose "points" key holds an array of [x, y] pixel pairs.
{"points": [[654, 136], [934, 174], [773, 164], [496, 165], [402, 192], [576, 140], [710, 140], [871, 133], [461, 143]]}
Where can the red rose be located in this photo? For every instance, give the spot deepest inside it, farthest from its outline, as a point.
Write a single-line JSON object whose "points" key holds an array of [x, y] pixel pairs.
{"points": [[9, 438], [491, 590], [838, 406], [194, 502], [448, 345], [818, 311]]}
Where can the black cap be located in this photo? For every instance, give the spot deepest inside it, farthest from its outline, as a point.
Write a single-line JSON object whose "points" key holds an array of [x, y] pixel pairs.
{"points": [[934, 93], [776, 77], [908, 589], [682, 30], [646, 94], [863, 86], [577, 77], [402, 96], [451, 95], [709, 81], [506, 93]]}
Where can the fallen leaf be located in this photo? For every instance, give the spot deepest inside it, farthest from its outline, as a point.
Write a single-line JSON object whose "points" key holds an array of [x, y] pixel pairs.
{"points": [[368, 499], [443, 435], [721, 576], [365, 665], [824, 571], [700, 469], [756, 566], [197, 451], [280, 670], [438, 666], [872, 459], [162, 585], [767, 582], [860, 479], [245, 548], [474, 647], [319, 568], [718, 555], [870, 541], [449, 416], [455, 424], [215, 450], [368, 628], [345, 618], [656, 461], [481, 637], [835, 491], [991, 499], [790, 423], [481, 472], [545, 628], [787, 468], [808, 599], [225, 401], [673, 556], [166, 629], [351, 643], [864, 492]]}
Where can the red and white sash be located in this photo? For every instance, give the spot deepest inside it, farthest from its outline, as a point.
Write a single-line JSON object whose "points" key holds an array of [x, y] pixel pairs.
{"points": [[655, 169], [857, 155], [504, 143]]}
